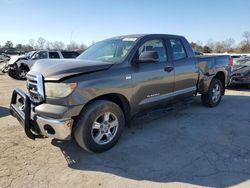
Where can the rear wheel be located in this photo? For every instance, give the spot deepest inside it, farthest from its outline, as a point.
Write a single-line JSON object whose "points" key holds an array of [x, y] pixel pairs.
{"points": [[99, 126], [213, 97]]}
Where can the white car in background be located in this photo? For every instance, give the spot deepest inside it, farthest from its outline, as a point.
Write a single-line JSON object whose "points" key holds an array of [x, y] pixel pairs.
{"points": [[15, 58], [19, 66]]}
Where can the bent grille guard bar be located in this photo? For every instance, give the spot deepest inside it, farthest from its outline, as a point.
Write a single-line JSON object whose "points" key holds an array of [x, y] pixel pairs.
{"points": [[22, 115]]}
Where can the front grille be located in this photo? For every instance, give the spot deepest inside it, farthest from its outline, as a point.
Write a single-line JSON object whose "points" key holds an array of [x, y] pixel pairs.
{"points": [[35, 86]]}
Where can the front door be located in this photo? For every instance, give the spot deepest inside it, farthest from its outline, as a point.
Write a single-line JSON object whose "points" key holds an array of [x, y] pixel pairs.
{"points": [[153, 82]]}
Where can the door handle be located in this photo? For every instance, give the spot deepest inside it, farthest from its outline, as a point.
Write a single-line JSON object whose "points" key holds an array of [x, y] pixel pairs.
{"points": [[168, 69]]}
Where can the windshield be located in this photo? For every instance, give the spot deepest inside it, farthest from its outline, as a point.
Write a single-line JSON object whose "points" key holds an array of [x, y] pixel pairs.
{"points": [[30, 54], [113, 50]]}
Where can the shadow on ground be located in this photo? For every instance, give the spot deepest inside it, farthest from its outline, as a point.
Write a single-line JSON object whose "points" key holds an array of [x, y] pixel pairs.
{"points": [[4, 112], [191, 144], [239, 87]]}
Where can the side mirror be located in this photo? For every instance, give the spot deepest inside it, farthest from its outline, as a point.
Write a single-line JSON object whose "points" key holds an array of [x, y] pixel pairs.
{"points": [[149, 57]]}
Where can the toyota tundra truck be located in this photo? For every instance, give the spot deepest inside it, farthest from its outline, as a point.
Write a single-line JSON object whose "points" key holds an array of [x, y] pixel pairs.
{"points": [[93, 97]]}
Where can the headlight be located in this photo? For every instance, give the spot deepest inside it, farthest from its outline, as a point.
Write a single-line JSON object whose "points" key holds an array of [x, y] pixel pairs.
{"points": [[59, 89]]}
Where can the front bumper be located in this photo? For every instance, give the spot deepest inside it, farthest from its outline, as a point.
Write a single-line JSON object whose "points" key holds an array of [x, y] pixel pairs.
{"points": [[35, 125]]}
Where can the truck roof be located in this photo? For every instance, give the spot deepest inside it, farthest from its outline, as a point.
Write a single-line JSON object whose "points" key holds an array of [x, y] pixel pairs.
{"points": [[144, 35]]}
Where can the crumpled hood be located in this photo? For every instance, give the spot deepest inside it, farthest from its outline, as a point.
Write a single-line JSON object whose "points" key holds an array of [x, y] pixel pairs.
{"points": [[14, 58], [57, 69]]}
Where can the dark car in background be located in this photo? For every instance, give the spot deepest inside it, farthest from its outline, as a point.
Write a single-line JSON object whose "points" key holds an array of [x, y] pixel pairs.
{"points": [[198, 53], [240, 71]]}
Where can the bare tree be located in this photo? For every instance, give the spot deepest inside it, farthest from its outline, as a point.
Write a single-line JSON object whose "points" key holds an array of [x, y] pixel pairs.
{"points": [[48, 45], [72, 46], [229, 44], [32, 43], [210, 43], [245, 44], [40, 44], [27, 48], [196, 46], [246, 37], [19, 47], [83, 47], [58, 45], [206, 49], [8, 44], [219, 47]]}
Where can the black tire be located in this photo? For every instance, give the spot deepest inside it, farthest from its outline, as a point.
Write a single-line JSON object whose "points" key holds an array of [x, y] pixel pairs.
{"points": [[12, 74], [83, 132], [21, 73], [207, 99]]}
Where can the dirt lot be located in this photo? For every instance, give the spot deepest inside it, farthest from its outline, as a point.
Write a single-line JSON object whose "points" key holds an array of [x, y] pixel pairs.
{"points": [[189, 146]]}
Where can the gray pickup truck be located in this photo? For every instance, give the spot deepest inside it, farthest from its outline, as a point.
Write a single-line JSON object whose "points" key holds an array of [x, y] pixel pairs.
{"points": [[93, 97]]}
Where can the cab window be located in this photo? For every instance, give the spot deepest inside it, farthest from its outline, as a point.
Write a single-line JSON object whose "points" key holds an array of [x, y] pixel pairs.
{"points": [[54, 55], [154, 45], [178, 49], [41, 55]]}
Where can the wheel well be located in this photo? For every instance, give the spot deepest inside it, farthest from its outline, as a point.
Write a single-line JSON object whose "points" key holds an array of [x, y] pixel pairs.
{"points": [[221, 76], [120, 100]]}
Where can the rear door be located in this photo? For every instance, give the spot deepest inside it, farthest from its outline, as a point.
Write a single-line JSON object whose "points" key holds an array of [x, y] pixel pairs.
{"points": [[153, 82], [186, 73]]}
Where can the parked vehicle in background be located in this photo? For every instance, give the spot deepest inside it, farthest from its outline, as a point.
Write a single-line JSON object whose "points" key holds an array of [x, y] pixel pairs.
{"points": [[94, 96], [15, 58], [11, 51], [4, 58], [235, 58], [198, 53], [20, 65], [241, 71], [3, 61]]}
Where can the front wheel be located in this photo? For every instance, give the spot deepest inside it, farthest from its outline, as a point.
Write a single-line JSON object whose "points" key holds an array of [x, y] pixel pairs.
{"points": [[213, 97], [21, 73], [99, 126], [11, 74]]}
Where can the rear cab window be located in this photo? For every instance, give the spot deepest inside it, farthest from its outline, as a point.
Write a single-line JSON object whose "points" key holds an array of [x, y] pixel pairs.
{"points": [[179, 51], [70, 55]]}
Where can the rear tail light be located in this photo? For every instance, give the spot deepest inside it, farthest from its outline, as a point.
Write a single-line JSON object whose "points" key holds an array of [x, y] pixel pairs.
{"points": [[231, 61]]}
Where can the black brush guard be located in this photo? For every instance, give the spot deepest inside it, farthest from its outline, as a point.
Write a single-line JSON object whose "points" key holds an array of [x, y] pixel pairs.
{"points": [[22, 115]]}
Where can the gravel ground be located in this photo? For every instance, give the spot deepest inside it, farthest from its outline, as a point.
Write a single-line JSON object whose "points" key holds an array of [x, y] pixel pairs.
{"points": [[189, 146]]}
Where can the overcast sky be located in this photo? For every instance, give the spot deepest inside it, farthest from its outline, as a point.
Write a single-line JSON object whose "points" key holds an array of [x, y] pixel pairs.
{"points": [[86, 21]]}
